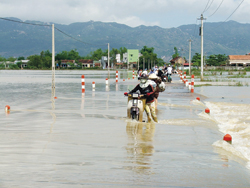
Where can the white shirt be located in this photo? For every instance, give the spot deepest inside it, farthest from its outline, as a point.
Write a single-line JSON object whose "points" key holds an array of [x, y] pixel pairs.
{"points": [[169, 70]]}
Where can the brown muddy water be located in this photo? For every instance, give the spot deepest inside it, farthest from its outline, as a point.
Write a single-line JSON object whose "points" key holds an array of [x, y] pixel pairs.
{"points": [[86, 140]]}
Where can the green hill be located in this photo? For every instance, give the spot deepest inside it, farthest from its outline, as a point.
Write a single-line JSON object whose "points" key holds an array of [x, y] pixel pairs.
{"points": [[18, 39]]}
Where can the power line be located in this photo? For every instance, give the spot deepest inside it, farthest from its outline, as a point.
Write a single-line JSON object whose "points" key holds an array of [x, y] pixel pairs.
{"points": [[206, 6], [50, 26], [78, 39], [216, 9], [23, 22], [232, 13], [195, 28], [209, 6], [235, 10]]}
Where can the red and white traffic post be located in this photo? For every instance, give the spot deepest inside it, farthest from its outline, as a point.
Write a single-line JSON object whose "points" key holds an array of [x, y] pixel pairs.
{"points": [[116, 77], [192, 83], [83, 84]]}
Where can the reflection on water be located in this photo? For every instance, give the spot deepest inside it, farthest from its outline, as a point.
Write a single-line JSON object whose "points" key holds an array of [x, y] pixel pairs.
{"points": [[77, 141], [140, 146]]}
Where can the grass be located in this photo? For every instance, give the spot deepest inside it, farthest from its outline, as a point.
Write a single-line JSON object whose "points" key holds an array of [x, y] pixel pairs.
{"points": [[239, 84], [202, 85], [238, 76]]}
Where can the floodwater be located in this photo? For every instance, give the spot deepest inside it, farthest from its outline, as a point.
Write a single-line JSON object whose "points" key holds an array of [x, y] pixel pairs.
{"points": [[86, 140]]}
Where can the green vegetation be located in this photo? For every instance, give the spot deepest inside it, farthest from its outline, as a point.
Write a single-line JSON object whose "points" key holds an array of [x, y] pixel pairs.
{"points": [[148, 56], [176, 54], [43, 61], [212, 60]]}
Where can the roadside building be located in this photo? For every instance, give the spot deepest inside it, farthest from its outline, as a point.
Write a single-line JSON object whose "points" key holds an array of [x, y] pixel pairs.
{"points": [[24, 63], [86, 63], [66, 63], [97, 63], [131, 58], [239, 60], [7, 63], [178, 61], [104, 62]]}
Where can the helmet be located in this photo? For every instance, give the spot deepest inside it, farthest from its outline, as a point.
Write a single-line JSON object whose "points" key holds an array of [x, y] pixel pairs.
{"points": [[152, 76], [143, 78]]}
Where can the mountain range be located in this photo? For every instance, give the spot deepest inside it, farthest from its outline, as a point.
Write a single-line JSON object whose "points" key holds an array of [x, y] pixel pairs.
{"points": [[20, 39]]}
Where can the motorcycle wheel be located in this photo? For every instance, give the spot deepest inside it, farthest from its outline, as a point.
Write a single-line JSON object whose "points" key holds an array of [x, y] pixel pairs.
{"points": [[133, 115]]}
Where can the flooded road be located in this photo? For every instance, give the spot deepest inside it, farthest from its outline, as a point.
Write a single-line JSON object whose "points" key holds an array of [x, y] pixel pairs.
{"points": [[86, 140]]}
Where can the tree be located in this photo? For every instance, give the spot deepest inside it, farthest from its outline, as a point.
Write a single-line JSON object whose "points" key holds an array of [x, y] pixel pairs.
{"points": [[97, 55], [20, 58], [176, 54], [11, 59], [61, 56], [47, 53], [2, 58], [196, 59], [148, 54], [216, 60], [122, 51], [73, 55], [34, 61]]}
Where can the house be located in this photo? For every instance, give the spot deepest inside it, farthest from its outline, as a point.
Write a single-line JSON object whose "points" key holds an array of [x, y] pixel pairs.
{"points": [[133, 58], [186, 65], [97, 63], [239, 60], [86, 62], [7, 63], [65, 63], [178, 61], [24, 63], [104, 62]]}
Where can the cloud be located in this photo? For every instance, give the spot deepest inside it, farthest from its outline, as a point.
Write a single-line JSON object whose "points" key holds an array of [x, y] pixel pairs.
{"points": [[164, 13]]}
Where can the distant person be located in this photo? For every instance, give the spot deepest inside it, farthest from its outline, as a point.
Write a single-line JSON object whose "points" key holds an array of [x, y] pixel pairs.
{"points": [[152, 71], [145, 72], [169, 70], [160, 73], [139, 73]]}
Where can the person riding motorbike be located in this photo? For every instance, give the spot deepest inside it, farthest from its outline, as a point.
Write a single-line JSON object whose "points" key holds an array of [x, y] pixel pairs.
{"points": [[160, 74], [147, 89], [169, 70], [160, 87]]}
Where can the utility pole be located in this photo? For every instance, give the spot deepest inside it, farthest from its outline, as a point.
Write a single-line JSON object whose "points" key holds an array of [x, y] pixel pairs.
{"points": [[138, 63], [201, 18], [108, 60], [53, 62], [128, 61], [143, 64], [190, 56]]}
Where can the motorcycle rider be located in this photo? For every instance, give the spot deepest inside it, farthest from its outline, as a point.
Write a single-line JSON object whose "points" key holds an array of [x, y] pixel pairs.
{"points": [[147, 89], [160, 74], [159, 86], [169, 70]]}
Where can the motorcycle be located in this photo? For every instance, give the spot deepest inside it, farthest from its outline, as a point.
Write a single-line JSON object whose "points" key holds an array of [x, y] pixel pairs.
{"points": [[136, 106], [169, 78], [164, 77]]}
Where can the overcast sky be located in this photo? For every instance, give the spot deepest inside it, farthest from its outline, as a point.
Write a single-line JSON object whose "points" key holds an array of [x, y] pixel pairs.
{"points": [[163, 13]]}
